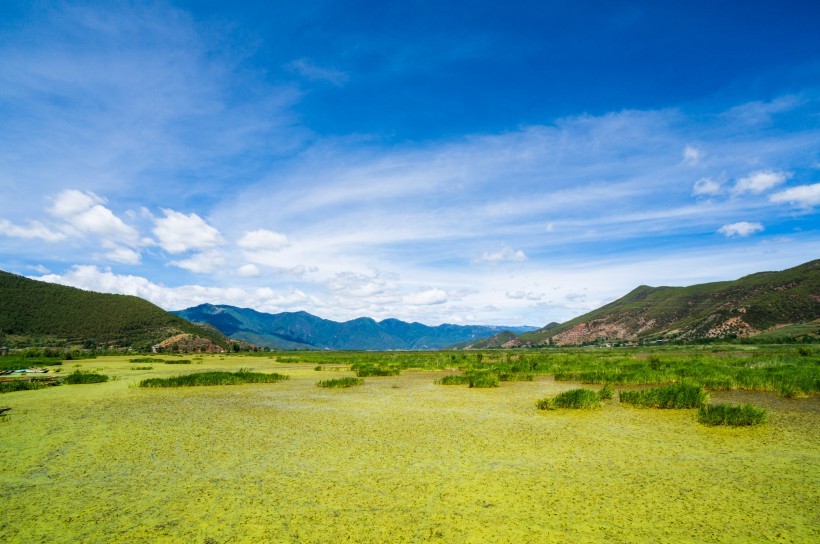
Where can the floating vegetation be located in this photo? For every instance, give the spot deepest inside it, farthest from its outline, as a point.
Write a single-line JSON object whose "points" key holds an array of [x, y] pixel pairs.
{"points": [[735, 416], [79, 377], [214, 378], [679, 395], [583, 399], [454, 379], [347, 381]]}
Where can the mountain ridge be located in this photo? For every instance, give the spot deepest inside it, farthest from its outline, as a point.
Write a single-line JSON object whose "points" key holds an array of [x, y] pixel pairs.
{"points": [[302, 330]]}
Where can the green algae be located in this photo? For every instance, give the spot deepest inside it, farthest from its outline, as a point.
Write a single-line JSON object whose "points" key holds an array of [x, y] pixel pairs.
{"points": [[290, 462]]}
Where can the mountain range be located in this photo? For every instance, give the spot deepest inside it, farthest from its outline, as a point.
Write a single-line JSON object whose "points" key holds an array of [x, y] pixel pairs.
{"points": [[765, 305], [301, 330]]}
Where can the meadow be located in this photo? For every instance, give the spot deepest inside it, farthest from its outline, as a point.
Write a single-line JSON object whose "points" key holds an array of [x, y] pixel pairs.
{"points": [[403, 457]]}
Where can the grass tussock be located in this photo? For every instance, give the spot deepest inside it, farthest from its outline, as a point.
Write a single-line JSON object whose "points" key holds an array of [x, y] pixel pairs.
{"points": [[606, 392], [79, 377], [482, 380], [680, 396], [339, 383], [177, 362], [142, 368], [367, 371], [515, 377], [581, 399], [214, 378], [744, 415], [454, 379]]}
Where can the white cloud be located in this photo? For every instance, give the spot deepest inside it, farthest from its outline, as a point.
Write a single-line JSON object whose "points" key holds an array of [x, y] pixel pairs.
{"points": [[248, 271], [263, 240], [426, 297], [759, 182], [706, 187], [34, 230], [202, 263], [802, 196], [742, 229], [178, 232], [504, 254], [124, 255], [84, 213], [691, 155], [521, 295]]}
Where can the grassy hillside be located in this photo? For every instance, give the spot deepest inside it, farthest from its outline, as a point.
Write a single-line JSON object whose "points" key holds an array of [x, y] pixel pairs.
{"points": [[770, 303], [51, 313]]}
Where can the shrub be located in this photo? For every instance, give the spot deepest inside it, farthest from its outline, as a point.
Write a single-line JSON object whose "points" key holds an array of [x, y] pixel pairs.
{"points": [[79, 377], [574, 398], [735, 416], [679, 395], [453, 379], [347, 381], [214, 378]]}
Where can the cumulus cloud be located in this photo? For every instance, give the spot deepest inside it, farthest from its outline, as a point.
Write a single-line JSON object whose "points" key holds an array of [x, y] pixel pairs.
{"points": [[759, 182], [742, 229], [202, 263], [426, 297], [363, 285], [123, 255], [248, 271], [504, 254], [802, 196], [263, 240], [83, 213], [178, 232], [706, 187], [34, 230]]}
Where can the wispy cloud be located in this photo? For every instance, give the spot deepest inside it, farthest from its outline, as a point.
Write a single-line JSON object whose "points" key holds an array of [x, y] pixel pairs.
{"points": [[741, 228], [308, 70]]}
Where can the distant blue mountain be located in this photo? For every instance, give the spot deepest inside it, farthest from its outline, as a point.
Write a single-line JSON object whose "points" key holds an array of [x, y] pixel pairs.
{"points": [[301, 330]]}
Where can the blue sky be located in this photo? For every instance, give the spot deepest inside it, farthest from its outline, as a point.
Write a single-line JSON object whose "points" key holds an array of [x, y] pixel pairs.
{"points": [[484, 162]]}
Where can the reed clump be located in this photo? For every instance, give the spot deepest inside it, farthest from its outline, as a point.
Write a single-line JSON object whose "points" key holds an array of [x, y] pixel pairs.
{"points": [[22, 385], [581, 399], [454, 379], [482, 380], [680, 396], [177, 361], [138, 360], [214, 378], [366, 370], [735, 416], [339, 383], [79, 377]]}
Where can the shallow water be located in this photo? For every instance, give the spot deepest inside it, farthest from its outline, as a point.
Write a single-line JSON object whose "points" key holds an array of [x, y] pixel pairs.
{"points": [[398, 459]]}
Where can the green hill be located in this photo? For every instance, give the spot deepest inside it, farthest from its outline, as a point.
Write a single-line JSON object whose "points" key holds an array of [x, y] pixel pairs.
{"points": [[35, 311], [766, 304]]}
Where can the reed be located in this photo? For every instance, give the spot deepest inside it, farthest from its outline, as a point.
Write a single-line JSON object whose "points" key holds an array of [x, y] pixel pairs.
{"points": [[214, 378], [735, 416], [338, 383], [679, 396], [454, 379], [79, 377], [580, 399]]}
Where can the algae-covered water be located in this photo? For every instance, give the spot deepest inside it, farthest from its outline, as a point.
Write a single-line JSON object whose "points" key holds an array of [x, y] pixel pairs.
{"points": [[398, 459]]}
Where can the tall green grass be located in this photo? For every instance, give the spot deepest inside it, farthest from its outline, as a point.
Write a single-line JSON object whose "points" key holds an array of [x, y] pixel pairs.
{"points": [[347, 381], [23, 385], [453, 379], [214, 378], [582, 399], [735, 416], [679, 395], [146, 360]]}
